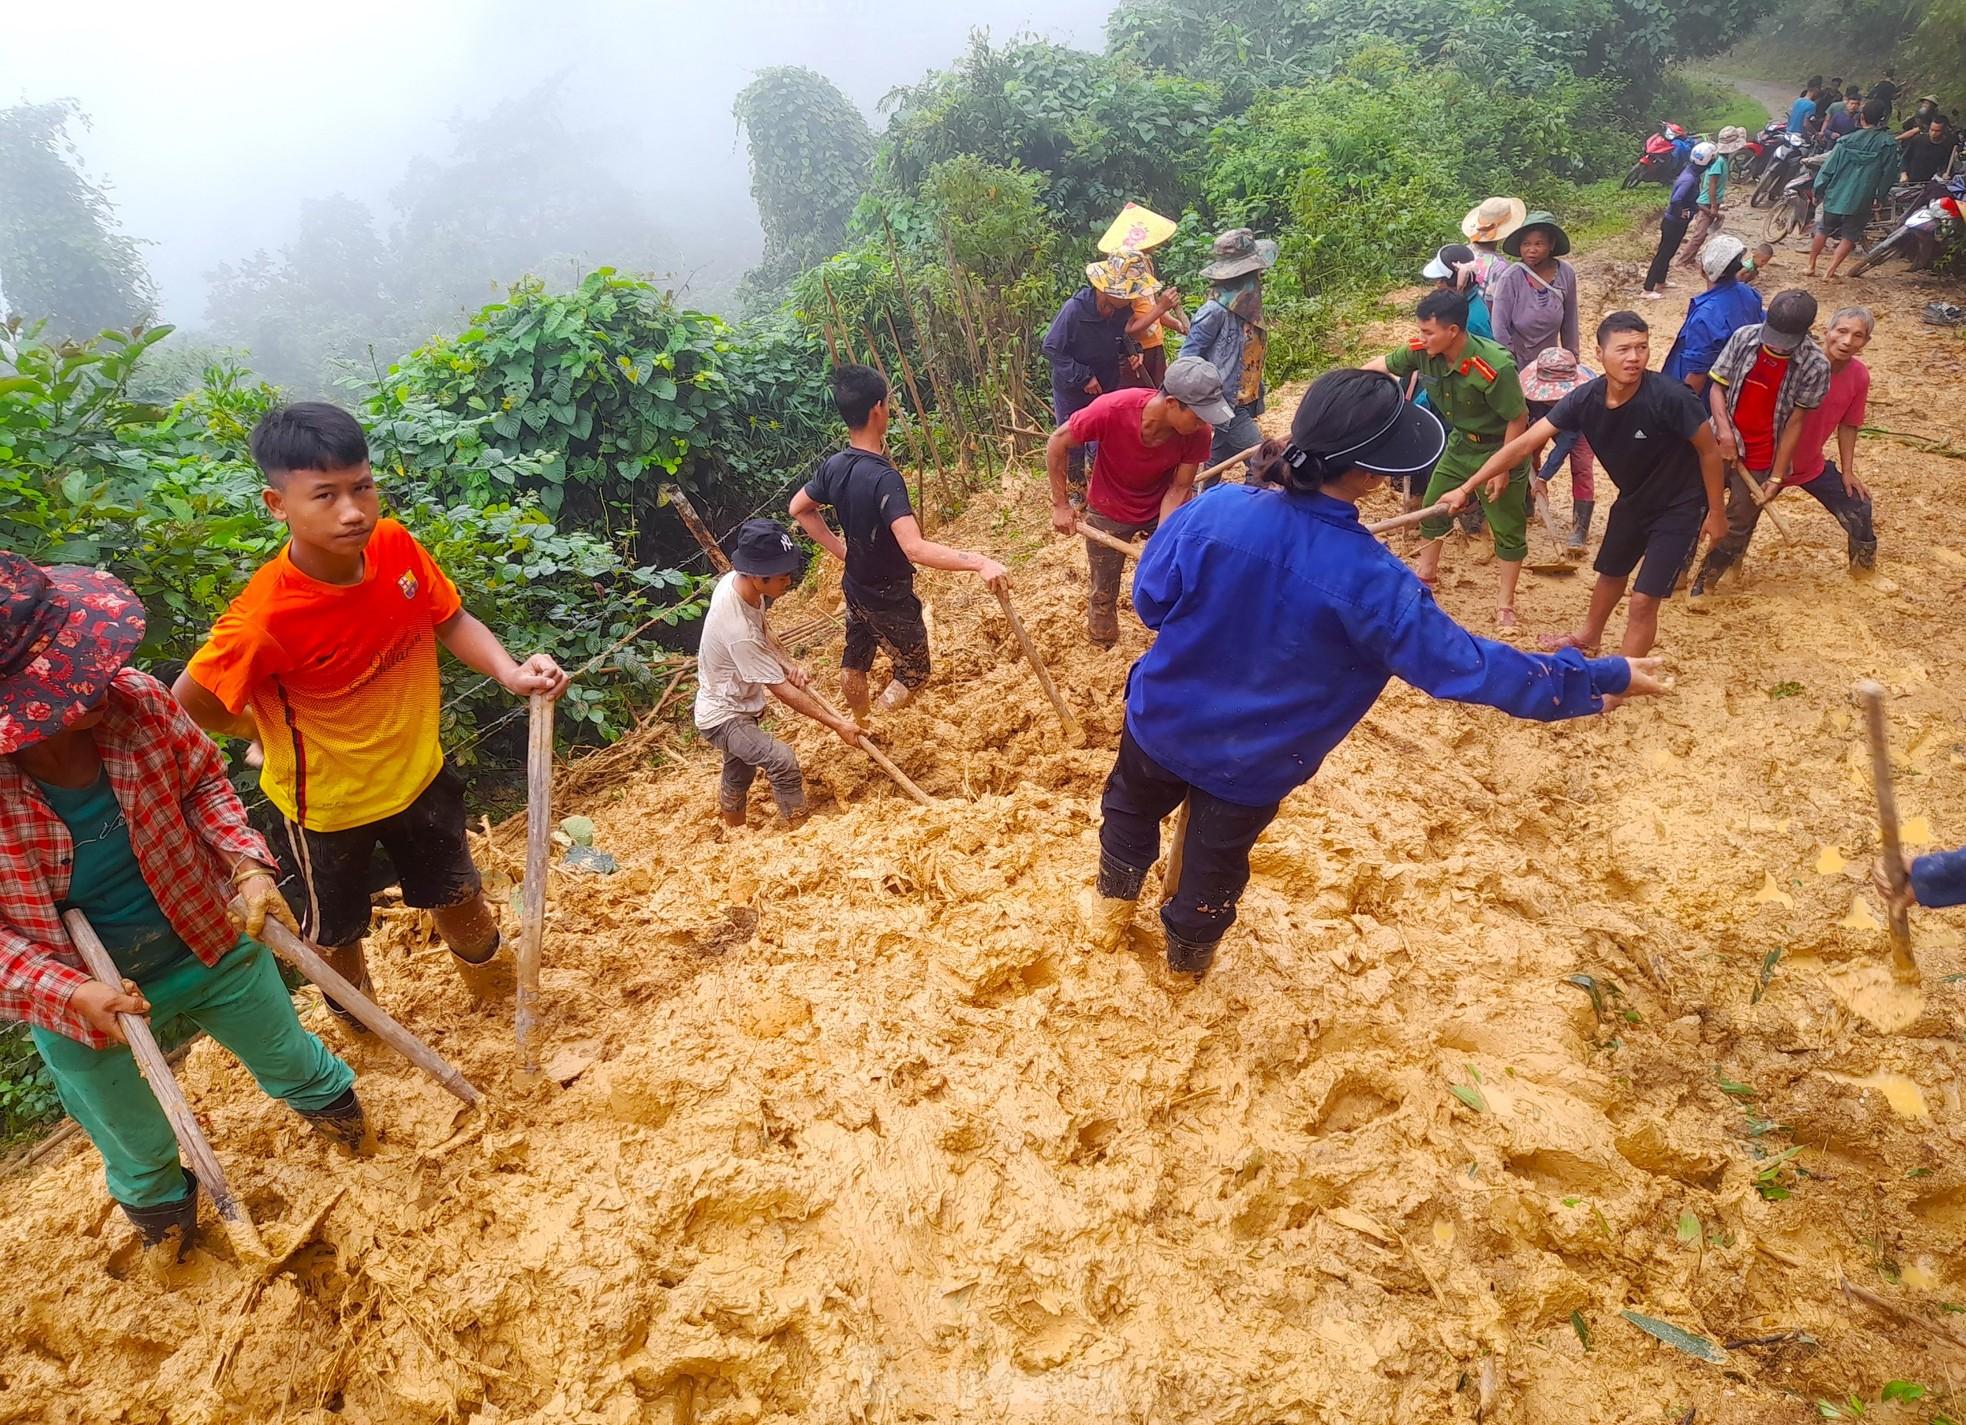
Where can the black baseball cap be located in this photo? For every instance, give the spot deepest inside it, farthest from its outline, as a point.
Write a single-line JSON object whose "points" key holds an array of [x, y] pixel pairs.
{"points": [[1361, 418], [764, 549]]}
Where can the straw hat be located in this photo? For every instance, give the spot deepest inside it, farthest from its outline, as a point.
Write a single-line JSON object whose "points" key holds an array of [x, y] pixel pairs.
{"points": [[1554, 374], [1493, 219], [1124, 275], [1135, 230], [1559, 239], [1239, 252], [1732, 139]]}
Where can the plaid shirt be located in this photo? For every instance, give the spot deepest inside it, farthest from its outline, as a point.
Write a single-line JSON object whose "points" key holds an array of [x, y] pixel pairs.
{"points": [[187, 828], [1805, 385]]}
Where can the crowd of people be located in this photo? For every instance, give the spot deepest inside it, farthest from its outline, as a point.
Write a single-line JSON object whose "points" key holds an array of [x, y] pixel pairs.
{"points": [[1278, 617]]}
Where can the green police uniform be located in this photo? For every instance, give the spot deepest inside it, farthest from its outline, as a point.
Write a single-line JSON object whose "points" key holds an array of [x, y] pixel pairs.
{"points": [[1477, 395]]}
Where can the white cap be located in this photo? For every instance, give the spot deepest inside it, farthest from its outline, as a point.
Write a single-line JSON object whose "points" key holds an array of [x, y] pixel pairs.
{"points": [[1718, 252], [1703, 153]]}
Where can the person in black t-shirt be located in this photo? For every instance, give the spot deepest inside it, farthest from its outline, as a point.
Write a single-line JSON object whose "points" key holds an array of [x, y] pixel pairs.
{"points": [[883, 543], [1652, 438]]}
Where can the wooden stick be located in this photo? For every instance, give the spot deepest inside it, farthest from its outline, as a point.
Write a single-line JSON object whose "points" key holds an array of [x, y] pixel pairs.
{"points": [[309, 961], [921, 410], [1872, 696], [1887, 1307], [1764, 496], [866, 743], [1411, 517], [1073, 732], [539, 831], [686, 512], [156, 1073], [1232, 460], [1129, 547], [1170, 876]]}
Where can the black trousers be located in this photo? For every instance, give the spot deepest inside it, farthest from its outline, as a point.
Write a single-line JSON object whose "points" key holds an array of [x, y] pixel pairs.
{"points": [[1214, 857], [1672, 231]]}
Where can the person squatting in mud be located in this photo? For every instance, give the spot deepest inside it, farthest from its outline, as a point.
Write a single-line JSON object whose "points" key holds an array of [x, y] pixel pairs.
{"points": [[1652, 436], [882, 545], [327, 659], [113, 803], [737, 664], [1280, 619], [1148, 447]]}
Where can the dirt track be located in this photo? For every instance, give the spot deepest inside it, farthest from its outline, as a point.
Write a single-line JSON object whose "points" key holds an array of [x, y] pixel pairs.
{"points": [[856, 1128]]}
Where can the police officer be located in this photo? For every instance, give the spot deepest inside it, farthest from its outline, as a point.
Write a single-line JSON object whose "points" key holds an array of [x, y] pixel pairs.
{"points": [[1472, 383]]}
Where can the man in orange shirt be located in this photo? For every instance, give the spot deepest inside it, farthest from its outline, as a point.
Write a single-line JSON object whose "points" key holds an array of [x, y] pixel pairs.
{"points": [[328, 658]]}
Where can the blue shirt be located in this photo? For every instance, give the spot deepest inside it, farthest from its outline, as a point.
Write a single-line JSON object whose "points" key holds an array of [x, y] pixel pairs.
{"points": [[1939, 879], [1685, 191], [1800, 113], [1280, 620], [1711, 317], [1083, 346]]}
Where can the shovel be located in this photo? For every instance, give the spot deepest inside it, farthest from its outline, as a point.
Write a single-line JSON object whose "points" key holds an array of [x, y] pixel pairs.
{"points": [[1887, 995]]}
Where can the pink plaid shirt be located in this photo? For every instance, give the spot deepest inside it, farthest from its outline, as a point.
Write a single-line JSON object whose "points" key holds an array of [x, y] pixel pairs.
{"points": [[187, 828]]}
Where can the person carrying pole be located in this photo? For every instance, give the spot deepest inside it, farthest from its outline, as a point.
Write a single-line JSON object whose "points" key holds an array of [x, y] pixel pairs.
{"points": [[328, 659], [1280, 619], [882, 544], [113, 803], [736, 666], [1148, 447]]}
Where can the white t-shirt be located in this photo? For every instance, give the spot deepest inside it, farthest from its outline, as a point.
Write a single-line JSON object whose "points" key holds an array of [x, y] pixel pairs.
{"points": [[733, 665]]}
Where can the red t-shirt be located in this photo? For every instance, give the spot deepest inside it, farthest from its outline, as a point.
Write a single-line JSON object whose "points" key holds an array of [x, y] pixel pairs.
{"points": [[1754, 408], [1128, 475], [1849, 389]]}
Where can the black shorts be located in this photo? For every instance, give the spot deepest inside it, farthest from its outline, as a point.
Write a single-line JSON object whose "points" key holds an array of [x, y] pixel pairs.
{"points": [[894, 622], [1841, 226], [1658, 543], [424, 842]]}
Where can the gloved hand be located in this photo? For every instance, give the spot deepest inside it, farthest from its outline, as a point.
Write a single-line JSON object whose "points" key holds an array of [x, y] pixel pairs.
{"points": [[260, 895]]}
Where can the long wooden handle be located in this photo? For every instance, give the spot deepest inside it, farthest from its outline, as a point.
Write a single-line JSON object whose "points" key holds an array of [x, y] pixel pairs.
{"points": [[1872, 696], [306, 959], [1411, 517], [157, 1074], [864, 743], [1073, 732], [539, 833], [1235, 459], [1130, 548], [1764, 497], [1170, 878], [1548, 518]]}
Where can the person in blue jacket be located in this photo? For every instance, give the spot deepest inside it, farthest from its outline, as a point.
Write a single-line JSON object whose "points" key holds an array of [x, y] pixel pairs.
{"points": [[1714, 315], [1279, 620]]}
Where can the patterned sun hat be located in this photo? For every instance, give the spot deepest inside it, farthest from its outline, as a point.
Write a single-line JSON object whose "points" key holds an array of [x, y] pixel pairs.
{"points": [[65, 632], [1124, 275]]}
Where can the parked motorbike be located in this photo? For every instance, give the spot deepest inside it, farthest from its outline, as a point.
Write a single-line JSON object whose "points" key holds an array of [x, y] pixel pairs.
{"points": [[1751, 162], [1796, 209], [1784, 157], [1665, 154], [1925, 232]]}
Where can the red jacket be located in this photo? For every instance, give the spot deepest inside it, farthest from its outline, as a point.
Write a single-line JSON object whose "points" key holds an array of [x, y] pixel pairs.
{"points": [[187, 827]]}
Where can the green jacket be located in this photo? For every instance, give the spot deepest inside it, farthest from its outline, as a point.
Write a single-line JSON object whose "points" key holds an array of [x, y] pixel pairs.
{"points": [[1859, 170]]}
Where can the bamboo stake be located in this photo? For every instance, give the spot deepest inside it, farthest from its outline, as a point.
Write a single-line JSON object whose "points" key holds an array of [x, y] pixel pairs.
{"points": [[1411, 517], [539, 830], [1074, 734], [1129, 547], [306, 959], [910, 427], [846, 332], [170, 1098], [1872, 695], [686, 512], [1236, 459], [921, 410], [1170, 877]]}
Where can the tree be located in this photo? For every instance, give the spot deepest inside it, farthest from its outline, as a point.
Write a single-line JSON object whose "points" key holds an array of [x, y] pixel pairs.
{"points": [[63, 257], [810, 155]]}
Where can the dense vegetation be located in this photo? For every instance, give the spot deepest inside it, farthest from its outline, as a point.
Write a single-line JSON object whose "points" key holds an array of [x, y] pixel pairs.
{"points": [[528, 448]]}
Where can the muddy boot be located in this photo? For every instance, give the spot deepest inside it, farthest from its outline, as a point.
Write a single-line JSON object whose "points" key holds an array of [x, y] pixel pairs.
{"points": [[1580, 529], [343, 1121], [731, 816], [156, 1224], [1863, 557], [895, 696], [1185, 957], [491, 976], [1107, 909], [853, 688]]}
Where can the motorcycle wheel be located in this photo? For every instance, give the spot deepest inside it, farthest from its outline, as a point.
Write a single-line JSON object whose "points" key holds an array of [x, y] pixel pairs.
{"points": [[1783, 219], [1635, 177], [1771, 184], [1888, 248]]}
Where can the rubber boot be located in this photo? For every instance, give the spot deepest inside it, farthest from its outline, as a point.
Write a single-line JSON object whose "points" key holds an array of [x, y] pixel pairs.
{"points": [[1863, 556], [853, 688], [155, 1224], [1107, 909], [343, 1120], [1186, 957], [490, 977], [732, 816], [1580, 530], [895, 696]]}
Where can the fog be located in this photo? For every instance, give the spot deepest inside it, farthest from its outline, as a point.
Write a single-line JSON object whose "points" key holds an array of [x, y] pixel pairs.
{"points": [[213, 121]]}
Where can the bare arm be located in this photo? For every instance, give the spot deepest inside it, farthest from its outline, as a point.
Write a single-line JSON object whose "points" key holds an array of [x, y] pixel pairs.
{"points": [[1846, 461], [805, 510], [1377, 363], [795, 697], [1785, 448], [1056, 448], [1723, 424], [1713, 475], [927, 553], [1180, 489], [1149, 319], [208, 712], [1519, 445], [478, 648]]}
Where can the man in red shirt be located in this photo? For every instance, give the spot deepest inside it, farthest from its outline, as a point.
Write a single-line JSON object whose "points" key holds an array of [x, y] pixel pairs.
{"points": [[1149, 446], [1767, 379], [1834, 483]]}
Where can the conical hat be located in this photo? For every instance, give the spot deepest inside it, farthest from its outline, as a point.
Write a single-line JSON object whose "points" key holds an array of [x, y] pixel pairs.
{"points": [[1135, 230]]}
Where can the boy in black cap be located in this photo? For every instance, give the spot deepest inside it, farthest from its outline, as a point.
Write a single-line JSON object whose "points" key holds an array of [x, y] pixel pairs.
{"points": [[883, 544], [736, 667], [1280, 619]]}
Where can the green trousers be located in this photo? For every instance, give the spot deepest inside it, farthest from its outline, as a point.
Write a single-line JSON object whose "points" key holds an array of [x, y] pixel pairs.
{"points": [[241, 1003], [1507, 513]]}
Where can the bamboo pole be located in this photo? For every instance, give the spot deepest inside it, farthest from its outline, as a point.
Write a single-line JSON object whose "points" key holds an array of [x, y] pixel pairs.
{"points": [[846, 332], [539, 830], [309, 961], [1074, 734], [921, 410], [1235, 459], [1128, 547], [170, 1098], [693, 522], [1170, 878]]}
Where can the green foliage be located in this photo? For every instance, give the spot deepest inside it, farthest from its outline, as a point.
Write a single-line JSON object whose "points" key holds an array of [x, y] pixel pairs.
{"points": [[811, 151], [27, 1091], [63, 258]]}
